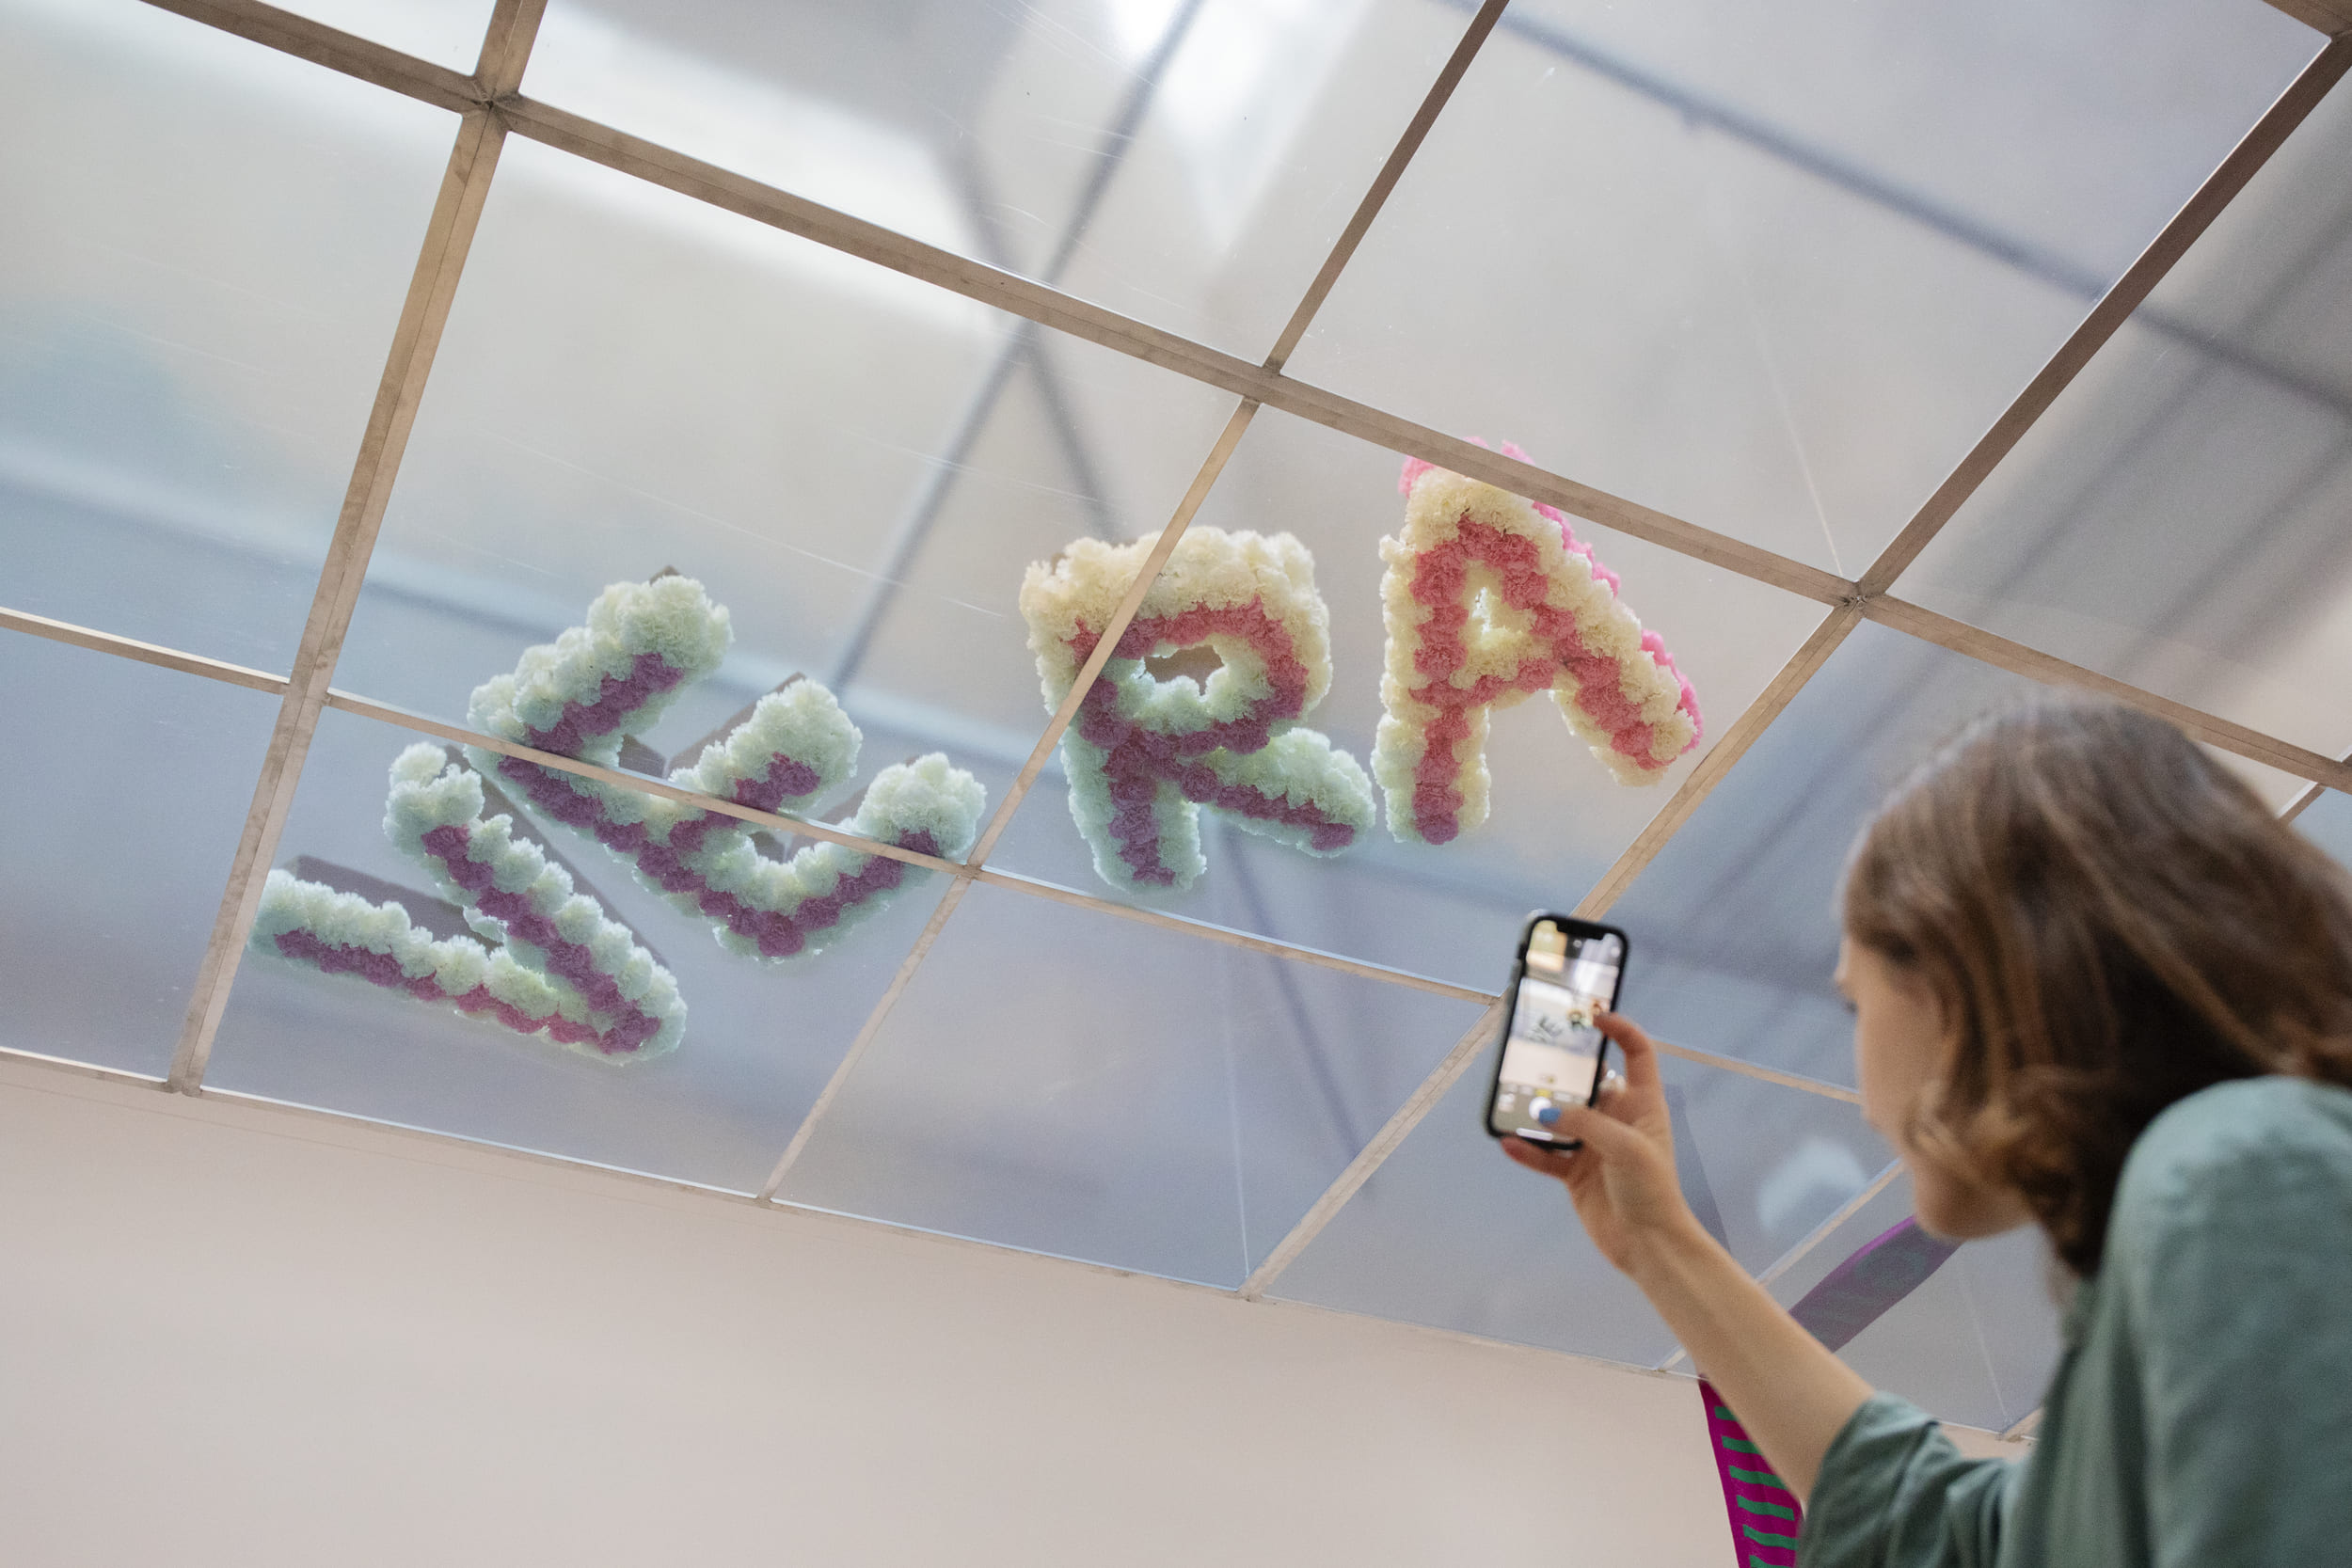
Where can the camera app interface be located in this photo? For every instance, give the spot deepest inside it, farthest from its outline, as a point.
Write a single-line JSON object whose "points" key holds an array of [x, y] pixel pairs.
{"points": [[1553, 1050]]}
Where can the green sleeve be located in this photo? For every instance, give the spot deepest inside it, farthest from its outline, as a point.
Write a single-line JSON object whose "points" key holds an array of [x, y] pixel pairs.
{"points": [[1894, 1493], [2237, 1276]]}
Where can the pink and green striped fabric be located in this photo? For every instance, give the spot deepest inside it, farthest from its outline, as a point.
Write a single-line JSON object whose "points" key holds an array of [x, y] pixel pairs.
{"points": [[1853, 1295], [1764, 1514]]}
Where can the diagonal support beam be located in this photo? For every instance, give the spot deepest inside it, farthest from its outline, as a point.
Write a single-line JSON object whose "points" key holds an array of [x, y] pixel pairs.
{"points": [[1220, 452], [465, 185], [2050, 670]]}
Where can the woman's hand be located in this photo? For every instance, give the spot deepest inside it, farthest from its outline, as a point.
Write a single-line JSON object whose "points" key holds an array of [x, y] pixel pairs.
{"points": [[1622, 1181]]}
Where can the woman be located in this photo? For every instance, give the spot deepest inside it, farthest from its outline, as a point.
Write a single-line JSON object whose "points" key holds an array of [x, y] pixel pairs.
{"points": [[2098, 988]]}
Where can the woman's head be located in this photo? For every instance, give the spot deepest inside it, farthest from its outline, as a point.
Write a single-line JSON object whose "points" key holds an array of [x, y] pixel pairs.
{"points": [[2068, 919]]}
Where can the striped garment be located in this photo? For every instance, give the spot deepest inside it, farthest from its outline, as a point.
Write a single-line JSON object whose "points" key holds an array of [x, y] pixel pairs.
{"points": [[1853, 1296], [1764, 1514]]}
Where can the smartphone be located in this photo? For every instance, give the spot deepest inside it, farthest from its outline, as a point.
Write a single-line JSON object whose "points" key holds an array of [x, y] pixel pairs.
{"points": [[1565, 972]]}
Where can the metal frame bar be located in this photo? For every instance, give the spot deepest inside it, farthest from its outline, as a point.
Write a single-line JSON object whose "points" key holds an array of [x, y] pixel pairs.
{"points": [[146, 653], [465, 185], [491, 108]]}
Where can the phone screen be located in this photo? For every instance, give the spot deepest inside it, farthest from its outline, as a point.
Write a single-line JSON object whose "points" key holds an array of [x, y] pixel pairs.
{"points": [[1551, 1051]]}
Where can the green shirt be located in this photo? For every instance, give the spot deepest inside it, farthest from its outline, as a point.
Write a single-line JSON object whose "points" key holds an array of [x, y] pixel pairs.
{"points": [[2203, 1411]]}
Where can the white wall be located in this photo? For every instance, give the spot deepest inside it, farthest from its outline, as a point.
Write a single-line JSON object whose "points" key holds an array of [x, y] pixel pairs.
{"points": [[237, 1336]]}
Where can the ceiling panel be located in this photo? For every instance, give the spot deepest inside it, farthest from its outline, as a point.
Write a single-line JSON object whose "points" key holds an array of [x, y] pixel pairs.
{"points": [[2182, 518], [1187, 162], [1775, 271], [1448, 1232], [2328, 822], [447, 32], [121, 817], [1069, 1083], [207, 251]]}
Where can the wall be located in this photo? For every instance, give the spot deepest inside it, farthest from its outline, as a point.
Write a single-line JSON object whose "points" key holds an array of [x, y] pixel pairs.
{"points": [[239, 1335]]}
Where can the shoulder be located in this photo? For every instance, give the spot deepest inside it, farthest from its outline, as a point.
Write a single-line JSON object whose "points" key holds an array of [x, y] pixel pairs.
{"points": [[2255, 1150]]}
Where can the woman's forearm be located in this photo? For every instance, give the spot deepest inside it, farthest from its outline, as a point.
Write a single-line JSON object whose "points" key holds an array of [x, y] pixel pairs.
{"points": [[1792, 1395]]}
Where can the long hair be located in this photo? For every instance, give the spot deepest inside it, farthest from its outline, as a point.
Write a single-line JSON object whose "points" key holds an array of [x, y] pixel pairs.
{"points": [[2109, 922]]}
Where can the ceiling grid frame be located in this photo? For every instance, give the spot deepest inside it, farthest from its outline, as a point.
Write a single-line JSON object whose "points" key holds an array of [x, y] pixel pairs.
{"points": [[364, 707], [449, 234], [1047, 306], [1869, 598], [491, 107]]}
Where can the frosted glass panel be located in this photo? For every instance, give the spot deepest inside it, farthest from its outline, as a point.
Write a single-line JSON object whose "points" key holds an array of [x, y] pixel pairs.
{"points": [[2177, 518], [108, 909], [207, 248], [447, 32], [1070, 1083], [1190, 163], [2328, 822], [1450, 1233]]}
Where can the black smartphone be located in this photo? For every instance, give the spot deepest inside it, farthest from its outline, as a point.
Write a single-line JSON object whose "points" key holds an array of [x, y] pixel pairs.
{"points": [[1567, 971]]}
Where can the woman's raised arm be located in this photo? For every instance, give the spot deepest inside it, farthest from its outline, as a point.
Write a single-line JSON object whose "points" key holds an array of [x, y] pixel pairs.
{"points": [[1792, 1395]]}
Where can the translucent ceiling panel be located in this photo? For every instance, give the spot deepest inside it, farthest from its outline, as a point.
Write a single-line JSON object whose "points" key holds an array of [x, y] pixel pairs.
{"points": [[1558, 820], [1188, 161], [207, 246], [2328, 822], [1077, 1084], [1774, 269], [1734, 925], [1976, 1343], [109, 904], [448, 32], [760, 1040], [632, 382], [1448, 1232], [2178, 517]]}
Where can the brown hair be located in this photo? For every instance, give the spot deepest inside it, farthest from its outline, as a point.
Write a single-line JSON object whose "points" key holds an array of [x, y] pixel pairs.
{"points": [[2111, 922]]}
